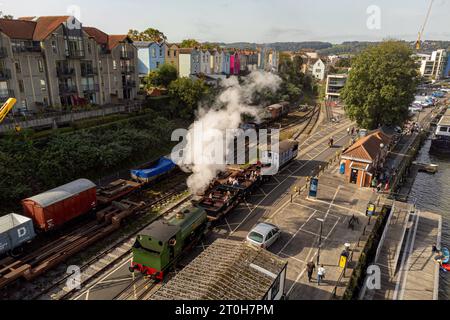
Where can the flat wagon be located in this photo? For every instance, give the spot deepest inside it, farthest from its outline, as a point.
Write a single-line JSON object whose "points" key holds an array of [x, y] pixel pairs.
{"points": [[55, 207]]}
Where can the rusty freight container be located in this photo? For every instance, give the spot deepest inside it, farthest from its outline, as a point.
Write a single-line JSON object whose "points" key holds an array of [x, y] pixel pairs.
{"points": [[55, 207]]}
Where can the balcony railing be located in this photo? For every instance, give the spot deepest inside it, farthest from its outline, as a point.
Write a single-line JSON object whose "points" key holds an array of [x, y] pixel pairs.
{"points": [[5, 94], [5, 74], [129, 84], [90, 71], [126, 55], [65, 72], [128, 69], [75, 54], [3, 53], [67, 89], [90, 88]]}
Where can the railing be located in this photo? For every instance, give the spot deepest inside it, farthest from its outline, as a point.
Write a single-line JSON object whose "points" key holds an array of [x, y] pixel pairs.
{"points": [[129, 84], [65, 72], [126, 55], [75, 54], [128, 69], [67, 89], [90, 88], [48, 119], [5, 74], [3, 53], [20, 49], [88, 71]]}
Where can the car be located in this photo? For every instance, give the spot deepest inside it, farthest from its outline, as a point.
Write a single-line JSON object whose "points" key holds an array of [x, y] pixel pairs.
{"points": [[264, 235]]}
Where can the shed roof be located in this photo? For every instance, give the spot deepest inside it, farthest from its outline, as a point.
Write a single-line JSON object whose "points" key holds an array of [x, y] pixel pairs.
{"points": [[66, 191], [227, 270], [367, 148]]}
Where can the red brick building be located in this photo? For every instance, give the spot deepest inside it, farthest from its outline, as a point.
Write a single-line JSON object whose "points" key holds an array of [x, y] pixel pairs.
{"points": [[364, 157]]}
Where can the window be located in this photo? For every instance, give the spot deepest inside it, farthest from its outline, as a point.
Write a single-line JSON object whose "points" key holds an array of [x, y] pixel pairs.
{"points": [[40, 66], [21, 87], [443, 129], [174, 53], [18, 68], [54, 47], [114, 65], [160, 52], [157, 64], [153, 52], [89, 48], [256, 237], [43, 85], [276, 287]]}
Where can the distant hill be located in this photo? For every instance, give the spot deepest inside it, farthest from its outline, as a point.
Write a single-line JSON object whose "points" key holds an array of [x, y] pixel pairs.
{"points": [[326, 48]]}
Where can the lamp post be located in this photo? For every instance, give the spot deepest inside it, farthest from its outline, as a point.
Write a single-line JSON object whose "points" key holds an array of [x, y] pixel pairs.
{"points": [[320, 240]]}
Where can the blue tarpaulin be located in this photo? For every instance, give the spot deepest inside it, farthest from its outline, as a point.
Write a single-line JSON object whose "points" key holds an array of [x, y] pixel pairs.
{"points": [[164, 165]]}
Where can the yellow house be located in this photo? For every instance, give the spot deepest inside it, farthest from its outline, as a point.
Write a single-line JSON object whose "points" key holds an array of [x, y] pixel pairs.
{"points": [[172, 55]]}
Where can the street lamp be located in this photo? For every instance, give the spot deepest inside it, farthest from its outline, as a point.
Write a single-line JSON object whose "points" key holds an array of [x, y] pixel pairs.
{"points": [[320, 240]]}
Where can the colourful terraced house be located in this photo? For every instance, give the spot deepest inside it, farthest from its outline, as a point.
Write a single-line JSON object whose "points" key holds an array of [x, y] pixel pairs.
{"points": [[151, 55]]}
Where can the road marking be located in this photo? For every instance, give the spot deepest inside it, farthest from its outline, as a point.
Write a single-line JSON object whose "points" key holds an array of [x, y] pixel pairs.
{"points": [[337, 206], [115, 280], [314, 209], [292, 238], [294, 258], [229, 227]]}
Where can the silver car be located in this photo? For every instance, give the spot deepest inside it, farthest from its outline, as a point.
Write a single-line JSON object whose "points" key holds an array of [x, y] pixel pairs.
{"points": [[264, 235]]}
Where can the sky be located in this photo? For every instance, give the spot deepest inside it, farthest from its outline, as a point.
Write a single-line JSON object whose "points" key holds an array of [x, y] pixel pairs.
{"points": [[259, 21]]}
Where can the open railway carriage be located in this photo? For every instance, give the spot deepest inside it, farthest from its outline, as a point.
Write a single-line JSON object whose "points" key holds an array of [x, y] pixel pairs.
{"points": [[219, 200], [162, 243]]}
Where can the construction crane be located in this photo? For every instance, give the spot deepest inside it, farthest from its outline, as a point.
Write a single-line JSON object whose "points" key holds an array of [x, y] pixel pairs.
{"points": [[419, 39], [6, 108]]}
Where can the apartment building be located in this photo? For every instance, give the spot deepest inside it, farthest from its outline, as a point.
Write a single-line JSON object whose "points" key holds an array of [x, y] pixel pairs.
{"points": [[335, 83], [433, 66], [55, 61]]}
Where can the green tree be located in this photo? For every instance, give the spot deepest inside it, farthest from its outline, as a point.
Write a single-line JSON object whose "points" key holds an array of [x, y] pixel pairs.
{"points": [[190, 43], [381, 85], [185, 95], [149, 34], [165, 75]]}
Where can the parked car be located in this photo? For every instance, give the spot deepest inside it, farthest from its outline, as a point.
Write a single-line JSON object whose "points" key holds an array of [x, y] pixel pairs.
{"points": [[264, 235]]}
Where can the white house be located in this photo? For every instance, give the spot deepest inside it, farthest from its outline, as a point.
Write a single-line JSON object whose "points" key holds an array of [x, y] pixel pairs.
{"points": [[318, 70]]}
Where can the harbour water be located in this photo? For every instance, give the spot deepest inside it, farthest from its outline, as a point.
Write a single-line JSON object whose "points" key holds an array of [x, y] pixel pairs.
{"points": [[432, 193]]}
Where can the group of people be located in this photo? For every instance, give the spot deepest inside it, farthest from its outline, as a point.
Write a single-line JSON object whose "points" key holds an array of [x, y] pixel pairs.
{"points": [[351, 131], [310, 267], [233, 182], [382, 180]]}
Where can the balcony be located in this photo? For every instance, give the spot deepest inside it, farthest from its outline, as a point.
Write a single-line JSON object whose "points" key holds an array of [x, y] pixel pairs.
{"points": [[5, 74], [5, 94], [3, 53], [128, 69], [65, 72], [88, 71], [22, 49], [65, 89], [129, 84], [126, 55], [90, 88], [75, 54]]}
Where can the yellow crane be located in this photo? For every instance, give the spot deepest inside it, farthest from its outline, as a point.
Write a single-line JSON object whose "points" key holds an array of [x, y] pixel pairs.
{"points": [[419, 39], [6, 108]]}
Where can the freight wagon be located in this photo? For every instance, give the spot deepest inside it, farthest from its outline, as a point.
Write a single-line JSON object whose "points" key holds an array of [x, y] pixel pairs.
{"points": [[55, 207], [15, 230]]}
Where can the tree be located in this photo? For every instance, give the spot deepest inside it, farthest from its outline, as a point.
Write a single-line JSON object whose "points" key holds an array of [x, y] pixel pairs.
{"points": [[149, 34], [381, 85], [190, 43], [185, 95], [162, 76]]}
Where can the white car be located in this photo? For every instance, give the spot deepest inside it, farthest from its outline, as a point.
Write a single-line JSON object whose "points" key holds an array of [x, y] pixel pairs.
{"points": [[264, 235]]}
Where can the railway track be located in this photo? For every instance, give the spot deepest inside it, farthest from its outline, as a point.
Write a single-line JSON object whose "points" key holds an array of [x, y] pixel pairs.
{"points": [[310, 124], [113, 254]]}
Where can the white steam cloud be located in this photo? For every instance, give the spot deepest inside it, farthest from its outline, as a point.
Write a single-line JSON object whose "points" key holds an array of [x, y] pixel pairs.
{"points": [[224, 115]]}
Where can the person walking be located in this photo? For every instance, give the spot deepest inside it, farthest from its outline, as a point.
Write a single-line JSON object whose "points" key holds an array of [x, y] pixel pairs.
{"points": [[310, 267], [320, 274], [348, 131]]}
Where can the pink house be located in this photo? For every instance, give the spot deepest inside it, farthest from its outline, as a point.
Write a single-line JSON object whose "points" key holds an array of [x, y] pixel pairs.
{"points": [[235, 64]]}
